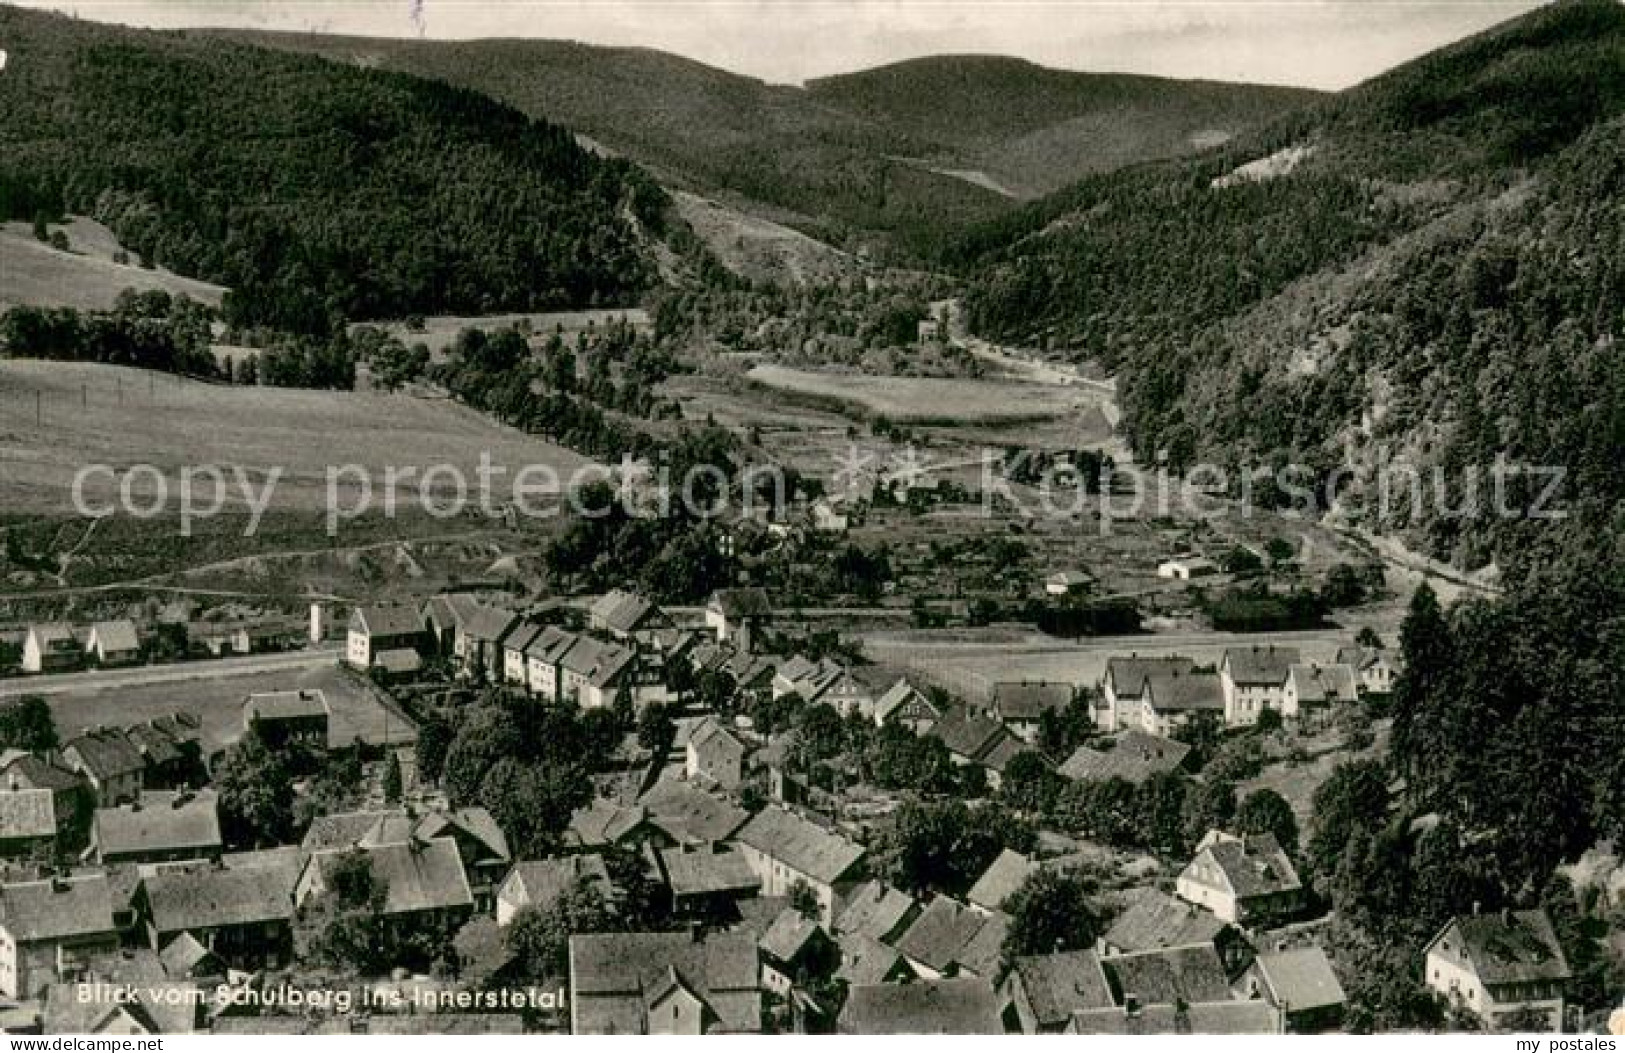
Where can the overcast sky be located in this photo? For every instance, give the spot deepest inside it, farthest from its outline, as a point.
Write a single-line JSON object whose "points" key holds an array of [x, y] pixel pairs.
{"points": [[1315, 43]]}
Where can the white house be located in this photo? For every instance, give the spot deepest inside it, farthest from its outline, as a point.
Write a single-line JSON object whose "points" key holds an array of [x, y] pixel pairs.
{"points": [[1186, 568], [114, 642], [50, 648], [1500, 966], [1254, 679]]}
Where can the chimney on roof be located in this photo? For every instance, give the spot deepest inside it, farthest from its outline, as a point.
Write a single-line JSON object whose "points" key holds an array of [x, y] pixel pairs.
{"points": [[59, 883], [1509, 919], [1131, 1003], [1478, 907]]}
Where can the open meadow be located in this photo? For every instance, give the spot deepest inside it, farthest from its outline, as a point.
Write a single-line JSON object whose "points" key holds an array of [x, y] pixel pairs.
{"points": [[86, 276], [930, 400], [359, 710], [57, 417]]}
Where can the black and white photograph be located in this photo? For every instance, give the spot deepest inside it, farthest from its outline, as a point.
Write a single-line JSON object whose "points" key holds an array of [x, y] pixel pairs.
{"points": [[833, 518]]}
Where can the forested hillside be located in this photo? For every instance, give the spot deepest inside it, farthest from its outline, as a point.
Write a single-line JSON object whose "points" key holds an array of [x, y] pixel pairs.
{"points": [[892, 159], [315, 191], [1429, 269]]}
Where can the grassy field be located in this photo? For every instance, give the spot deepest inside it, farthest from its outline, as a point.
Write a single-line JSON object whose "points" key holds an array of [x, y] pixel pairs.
{"points": [[930, 400], [358, 709], [96, 414], [85, 276]]}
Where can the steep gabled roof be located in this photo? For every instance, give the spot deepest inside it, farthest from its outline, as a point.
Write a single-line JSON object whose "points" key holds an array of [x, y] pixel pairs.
{"points": [[163, 821], [622, 612], [968, 734], [614, 977], [1127, 676], [119, 635], [1001, 879], [27, 815], [1027, 701], [800, 844], [387, 620], [924, 1007], [1156, 920], [107, 753], [1324, 684], [33, 911], [1260, 665], [209, 898], [1255, 865], [690, 816], [1169, 976], [948, 933], [539, 882], [1133, 756], [897, 696], [876, 909], [420, 875], [1509, 947], [1059, 985], [1300, 979]]}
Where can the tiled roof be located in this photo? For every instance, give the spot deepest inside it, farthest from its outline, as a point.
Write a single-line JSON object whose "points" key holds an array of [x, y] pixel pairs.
{"points": [[1133, 756], [1169, 975], [800, 844], [1300, 979], [162, 821], [691, 816], [1003, 877], [27, 815], [789, 934], [32, 911], [1324, 684], [876, 909], [1127, 676], [1516, 948], [1059, 985], [542, 881], [388, 620], [33, 772], [1206, 1018], [709, 734], [184, 955], [286, 705], [420, 875], [107, 753], [705, 872], [967, 733], [1157, 920], [924, 1007], [895, 698], [343, 829], [613, 977], [1254, 866], [117, 635], [477, 823], [212, 898], [1027, 701], [604, 822], [1260, 665], [948, 933], [1175, 692], [865, 960], [620, 611]]}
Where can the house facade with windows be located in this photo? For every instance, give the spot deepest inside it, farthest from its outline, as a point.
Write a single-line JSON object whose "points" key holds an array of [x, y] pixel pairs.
{"points": [[1254, 680], [1507, 967]]}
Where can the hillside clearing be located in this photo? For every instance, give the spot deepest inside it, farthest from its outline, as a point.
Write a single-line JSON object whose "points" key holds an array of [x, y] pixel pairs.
{"points": [[34, 274], [96, 414], [930, 399]]}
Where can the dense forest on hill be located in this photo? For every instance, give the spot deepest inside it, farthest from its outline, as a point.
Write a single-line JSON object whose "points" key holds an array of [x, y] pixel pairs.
{"points": [[886, 159], [1434, 276], [315, 191]]}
